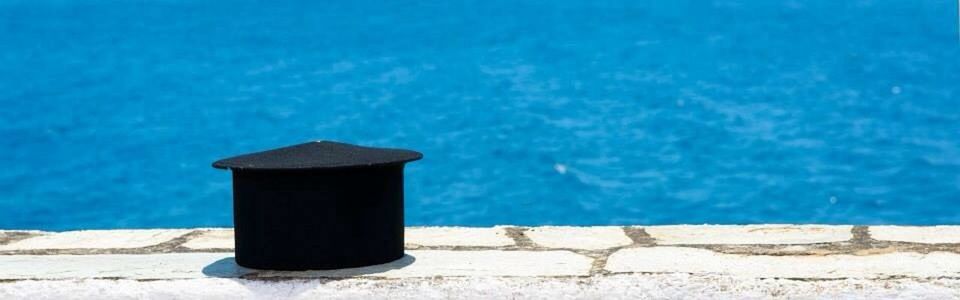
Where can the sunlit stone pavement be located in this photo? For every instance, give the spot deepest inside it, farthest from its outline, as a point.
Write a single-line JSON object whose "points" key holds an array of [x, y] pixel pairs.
{"points": [[699, 261]]}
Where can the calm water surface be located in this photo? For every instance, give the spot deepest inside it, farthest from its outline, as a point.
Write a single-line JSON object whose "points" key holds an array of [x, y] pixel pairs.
{"points": [[528, 112]]}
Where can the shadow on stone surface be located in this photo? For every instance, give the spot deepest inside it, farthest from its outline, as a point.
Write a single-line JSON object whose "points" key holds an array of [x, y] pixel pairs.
{"points": [[228, 268]]}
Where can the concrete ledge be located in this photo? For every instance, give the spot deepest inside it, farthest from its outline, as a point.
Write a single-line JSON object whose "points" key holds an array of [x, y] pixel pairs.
{"points": [[457, 236], [211, 239], [917, 234], [96, 239], [589, 238], [748, 234], [7, 236], [417, 263], [701, 261], [791, 261]]}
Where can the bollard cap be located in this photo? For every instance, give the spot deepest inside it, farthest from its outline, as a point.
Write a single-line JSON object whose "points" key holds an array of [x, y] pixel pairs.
{"points": [[318, 155]]}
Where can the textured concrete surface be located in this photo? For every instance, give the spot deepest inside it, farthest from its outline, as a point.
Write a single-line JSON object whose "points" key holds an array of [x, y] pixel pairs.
{"points": [[10, 236], [917, 234], [701, 261], [418, 263], [457, 236], [96, 239], [212, 239], [126, 266], [414, 237], [591, 238], [632, 286], [748, 234], [712, 262]]}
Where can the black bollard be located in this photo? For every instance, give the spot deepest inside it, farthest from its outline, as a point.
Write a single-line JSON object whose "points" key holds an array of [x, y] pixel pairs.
{"points": [[318, 205]]}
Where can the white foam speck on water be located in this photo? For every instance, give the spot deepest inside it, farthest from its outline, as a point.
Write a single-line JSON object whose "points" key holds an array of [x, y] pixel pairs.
{"points": [[560, 168]]}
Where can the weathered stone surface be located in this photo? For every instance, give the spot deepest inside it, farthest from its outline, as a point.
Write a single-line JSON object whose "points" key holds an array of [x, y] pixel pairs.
{"points": [[917, 234], [97, 239], [212, 239], [592, 238], [469, 263], [457, 236], [418, 263], [444, 263], [626, 286], [9, 236], [702, 261], [150, 266], [414, 236], [748, 234]]}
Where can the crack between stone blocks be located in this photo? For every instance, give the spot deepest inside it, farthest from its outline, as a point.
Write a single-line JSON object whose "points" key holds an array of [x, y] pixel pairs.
{"points": [[860, 243], [15, 236], [861, 248], [639, 236], [599, 264], [861, 235], [175, 244], [171, 246], [520, 239]]}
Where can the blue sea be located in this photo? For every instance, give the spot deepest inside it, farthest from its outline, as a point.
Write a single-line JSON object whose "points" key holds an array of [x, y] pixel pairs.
{"points": [[527, 112]]}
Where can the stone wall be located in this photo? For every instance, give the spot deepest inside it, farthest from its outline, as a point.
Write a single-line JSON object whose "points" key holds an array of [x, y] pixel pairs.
{"points": [[566, 262]]}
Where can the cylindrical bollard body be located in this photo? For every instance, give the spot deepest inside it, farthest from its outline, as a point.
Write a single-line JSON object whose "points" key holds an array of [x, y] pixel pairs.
{"points": [[318, 219], [319, 205]]}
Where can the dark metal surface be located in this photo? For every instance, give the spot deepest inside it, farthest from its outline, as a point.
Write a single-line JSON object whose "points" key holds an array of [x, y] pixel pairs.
{"points": [[300, 219]]}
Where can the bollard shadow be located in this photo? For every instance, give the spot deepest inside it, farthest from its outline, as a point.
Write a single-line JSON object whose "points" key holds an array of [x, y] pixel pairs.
{"points": [[228, 268]]}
